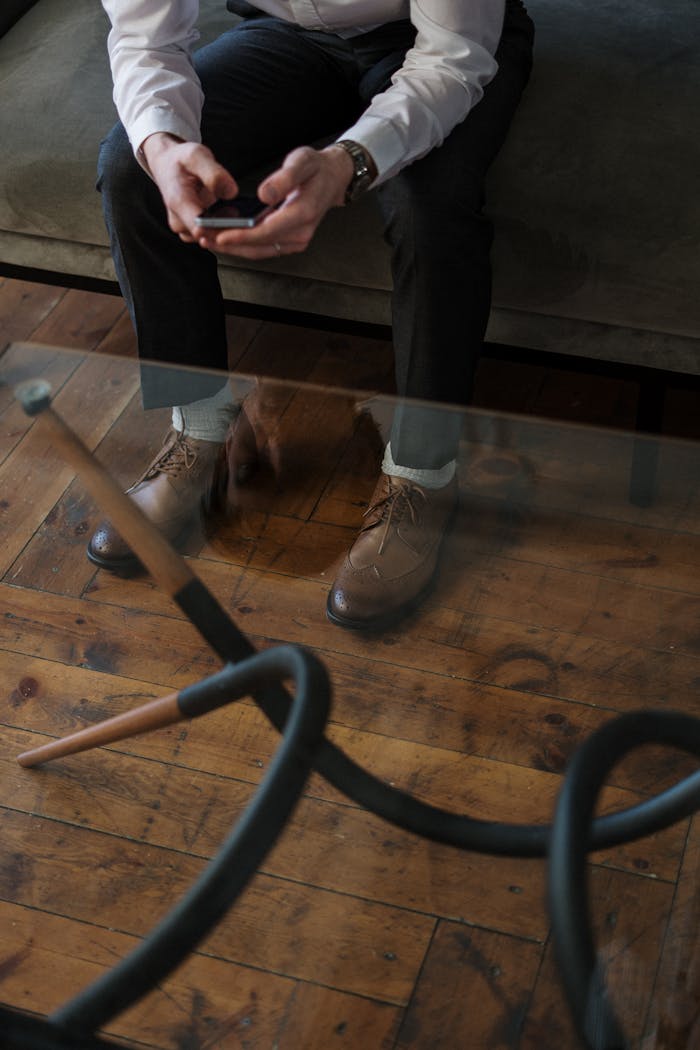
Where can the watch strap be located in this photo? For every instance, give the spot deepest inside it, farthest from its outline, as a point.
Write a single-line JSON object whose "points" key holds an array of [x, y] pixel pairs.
{"points": [[364, 170]]}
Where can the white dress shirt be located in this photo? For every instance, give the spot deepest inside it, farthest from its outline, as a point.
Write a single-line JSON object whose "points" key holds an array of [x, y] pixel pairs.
{"points": [[442, 77]]}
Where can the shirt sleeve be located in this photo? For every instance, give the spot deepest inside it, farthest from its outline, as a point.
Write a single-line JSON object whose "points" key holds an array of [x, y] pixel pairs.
{"points": [[155, 85], [443, 76]]}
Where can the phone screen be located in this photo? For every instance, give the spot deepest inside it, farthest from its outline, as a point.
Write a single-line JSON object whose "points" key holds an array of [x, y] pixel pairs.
{"points": [[239, 211]]}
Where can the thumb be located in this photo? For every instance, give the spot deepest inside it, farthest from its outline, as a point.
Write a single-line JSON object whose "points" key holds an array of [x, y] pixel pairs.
{"points": [[298, 166]]}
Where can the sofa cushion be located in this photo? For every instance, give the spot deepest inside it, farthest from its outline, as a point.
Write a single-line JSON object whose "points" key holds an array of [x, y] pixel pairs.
{"points": [[595, 195]]}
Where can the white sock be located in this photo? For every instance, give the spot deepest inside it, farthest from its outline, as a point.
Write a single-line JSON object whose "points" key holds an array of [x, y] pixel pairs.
{"points": [[428, 479], [208, 419]]}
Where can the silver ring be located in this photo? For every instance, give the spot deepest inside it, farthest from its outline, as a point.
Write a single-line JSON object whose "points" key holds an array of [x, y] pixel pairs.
{"points": [[278, 248]]}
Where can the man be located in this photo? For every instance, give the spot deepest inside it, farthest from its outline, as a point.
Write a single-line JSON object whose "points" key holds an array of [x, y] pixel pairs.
{"points": [[418, 96]]}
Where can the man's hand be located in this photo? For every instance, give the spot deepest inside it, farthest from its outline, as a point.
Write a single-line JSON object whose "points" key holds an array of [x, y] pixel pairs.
{"points": [[308, 184], [189, 179]]}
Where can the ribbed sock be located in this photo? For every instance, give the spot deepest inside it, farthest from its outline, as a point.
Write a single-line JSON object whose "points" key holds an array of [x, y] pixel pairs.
{"points": [[428, 479], [208, 419]]}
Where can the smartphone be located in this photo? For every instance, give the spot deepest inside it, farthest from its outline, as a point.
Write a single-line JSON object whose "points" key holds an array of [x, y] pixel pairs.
{"points": [[237, 212]]}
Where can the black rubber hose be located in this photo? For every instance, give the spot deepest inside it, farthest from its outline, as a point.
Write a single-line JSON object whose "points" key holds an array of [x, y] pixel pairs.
{"points": [[243, 851], [409, 813], [24, 1032], [583, 980]]}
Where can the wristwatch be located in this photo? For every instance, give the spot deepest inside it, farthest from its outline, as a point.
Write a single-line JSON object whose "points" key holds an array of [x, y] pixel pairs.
{"points": [[364, 172]]}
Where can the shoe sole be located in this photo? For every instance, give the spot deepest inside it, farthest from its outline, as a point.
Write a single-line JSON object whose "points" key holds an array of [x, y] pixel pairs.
{"points": [[131, 565], [120, 566], [384, 620]]}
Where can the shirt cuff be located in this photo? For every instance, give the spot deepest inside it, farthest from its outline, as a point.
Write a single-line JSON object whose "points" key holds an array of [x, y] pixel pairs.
{"points": [[159, 120], [383, 142]]}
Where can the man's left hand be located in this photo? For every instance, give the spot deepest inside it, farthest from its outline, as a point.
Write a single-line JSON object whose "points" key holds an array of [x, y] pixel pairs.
{"points": [[308, 184]]}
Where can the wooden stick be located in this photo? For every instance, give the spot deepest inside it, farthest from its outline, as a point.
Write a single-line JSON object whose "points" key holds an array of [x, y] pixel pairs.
{"points": [[164, 563], [153, 715]]}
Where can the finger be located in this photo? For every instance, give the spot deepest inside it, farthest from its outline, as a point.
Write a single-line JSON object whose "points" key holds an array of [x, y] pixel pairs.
{"points": [[183, 212], [176, 224], [298, 167], [197, 182], [256, 252], [206, 168]]}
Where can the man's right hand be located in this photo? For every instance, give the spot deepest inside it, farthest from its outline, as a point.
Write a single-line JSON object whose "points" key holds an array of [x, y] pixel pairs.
{"points": [[189, 178]]}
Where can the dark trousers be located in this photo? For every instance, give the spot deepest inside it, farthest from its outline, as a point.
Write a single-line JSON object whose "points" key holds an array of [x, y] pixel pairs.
{"points": [[270, 86]]}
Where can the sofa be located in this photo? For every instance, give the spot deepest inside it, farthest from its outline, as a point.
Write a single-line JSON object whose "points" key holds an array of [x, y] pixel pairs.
{"points": [[594, 198]]}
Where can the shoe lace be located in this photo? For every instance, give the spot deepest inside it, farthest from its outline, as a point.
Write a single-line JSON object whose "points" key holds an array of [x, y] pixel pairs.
{"points": [[390, 508], [177, 457]]}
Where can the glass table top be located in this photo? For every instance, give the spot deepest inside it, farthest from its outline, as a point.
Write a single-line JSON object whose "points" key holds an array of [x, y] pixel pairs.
{"points": [[568, 593]]}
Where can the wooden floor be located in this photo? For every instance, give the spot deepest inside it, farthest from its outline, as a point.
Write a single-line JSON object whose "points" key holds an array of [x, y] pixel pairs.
{"points": [[354, 934]]}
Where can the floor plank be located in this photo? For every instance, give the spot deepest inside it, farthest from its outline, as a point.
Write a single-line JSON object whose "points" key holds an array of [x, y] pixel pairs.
{"points": [[674, 1013], [208, 1003], [278, 924], [80, 320], [473, 992], [35, 479], [630, 917], [23, 307], [451, 638]]}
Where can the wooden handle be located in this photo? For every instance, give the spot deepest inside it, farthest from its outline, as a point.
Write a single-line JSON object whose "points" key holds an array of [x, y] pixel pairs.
{"points": [[162, 561], [153, 715]]}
